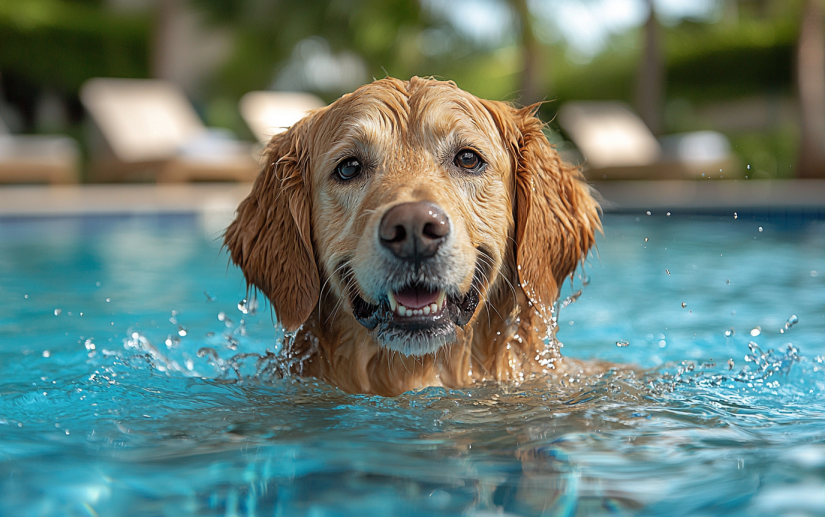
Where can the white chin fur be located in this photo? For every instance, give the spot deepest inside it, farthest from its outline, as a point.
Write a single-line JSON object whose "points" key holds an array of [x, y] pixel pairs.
{"points": [[418, 343]]}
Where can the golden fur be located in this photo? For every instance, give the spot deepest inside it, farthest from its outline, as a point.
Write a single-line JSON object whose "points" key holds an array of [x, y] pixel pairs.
{"points": [[529, 220]]}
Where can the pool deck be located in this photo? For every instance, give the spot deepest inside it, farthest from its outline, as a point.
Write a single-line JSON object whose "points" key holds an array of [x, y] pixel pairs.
{"points": [[710, 196]]}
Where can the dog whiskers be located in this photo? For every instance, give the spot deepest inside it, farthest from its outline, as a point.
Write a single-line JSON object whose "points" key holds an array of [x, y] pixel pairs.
{"points": [[343, 264], [349, 285], [488, 261]]}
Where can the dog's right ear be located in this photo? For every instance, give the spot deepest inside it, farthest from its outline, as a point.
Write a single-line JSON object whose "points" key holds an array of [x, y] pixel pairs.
{"points": [[270, 238], [556, 215]]}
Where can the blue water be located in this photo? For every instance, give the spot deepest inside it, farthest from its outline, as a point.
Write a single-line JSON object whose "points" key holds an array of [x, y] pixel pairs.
{"points": [[106, 407]]}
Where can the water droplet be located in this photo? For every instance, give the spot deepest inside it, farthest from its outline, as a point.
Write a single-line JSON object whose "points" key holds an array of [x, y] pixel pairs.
{"points": [[89, 344], [730, 332], [221, 316], [57, 312], [622, 343], [730, 364], [760, 229], [793, 320], [646, 239], [181, 331], [814, 273], [735, 215], [668, 214], [586, 281], [756, 331], [667, 271], [749, 166], [97, 284], [210, 334], [108, 300], [662, 343], [648, 212], [727, 282], [26, 296], [684, 305], [46, 353], [209, 297]]}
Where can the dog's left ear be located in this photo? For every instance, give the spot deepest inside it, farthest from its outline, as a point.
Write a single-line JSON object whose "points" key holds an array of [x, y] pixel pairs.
{"points": [[556, 215]]}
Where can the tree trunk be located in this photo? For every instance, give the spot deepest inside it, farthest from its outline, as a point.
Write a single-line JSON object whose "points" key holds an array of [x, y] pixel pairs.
{"points": [[163, 38], [531, 77], [810, 78], [650, 83]]}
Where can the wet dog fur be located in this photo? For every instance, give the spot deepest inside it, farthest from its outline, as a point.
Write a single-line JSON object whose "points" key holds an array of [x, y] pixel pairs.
{"points": [[519, 225]]}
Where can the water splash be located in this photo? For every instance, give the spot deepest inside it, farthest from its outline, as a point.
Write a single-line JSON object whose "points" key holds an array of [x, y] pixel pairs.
{"points": [[147, 352], [793, 320], [248, 307], [761, 367], [571, 299]]}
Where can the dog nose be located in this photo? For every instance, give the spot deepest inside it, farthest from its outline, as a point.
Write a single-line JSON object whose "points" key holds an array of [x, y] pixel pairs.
{"points": [[414, 231]]}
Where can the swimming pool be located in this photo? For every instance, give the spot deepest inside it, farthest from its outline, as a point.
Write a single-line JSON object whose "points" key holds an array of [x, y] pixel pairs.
{"points": [[107, 407]]}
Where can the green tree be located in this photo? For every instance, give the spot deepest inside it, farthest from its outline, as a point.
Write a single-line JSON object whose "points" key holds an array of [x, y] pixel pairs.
{"points": [[383, 32]]}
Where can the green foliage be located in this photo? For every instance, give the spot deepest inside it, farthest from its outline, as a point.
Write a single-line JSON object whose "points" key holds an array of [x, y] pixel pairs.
{"points": [[267, 31], [770, 154], [59, 44], [703, 62], [726, 61]]}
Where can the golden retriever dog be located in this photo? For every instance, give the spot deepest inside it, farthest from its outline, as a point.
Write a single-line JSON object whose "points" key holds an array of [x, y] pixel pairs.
{"points": [[411, 234]]}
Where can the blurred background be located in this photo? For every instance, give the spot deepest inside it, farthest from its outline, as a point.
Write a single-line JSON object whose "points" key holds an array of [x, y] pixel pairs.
{"points": [[729, 89]]}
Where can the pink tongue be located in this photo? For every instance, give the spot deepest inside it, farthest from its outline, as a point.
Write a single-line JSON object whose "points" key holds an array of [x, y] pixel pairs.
{"points": [[415, 297]]}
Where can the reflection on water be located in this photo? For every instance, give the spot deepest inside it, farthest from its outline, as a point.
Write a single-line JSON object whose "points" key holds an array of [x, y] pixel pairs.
{"points": [[166, 401]]}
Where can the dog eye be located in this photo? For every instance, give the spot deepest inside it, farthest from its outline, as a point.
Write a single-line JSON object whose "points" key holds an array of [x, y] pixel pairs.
{"points": [[348, 169], [468, 160]]}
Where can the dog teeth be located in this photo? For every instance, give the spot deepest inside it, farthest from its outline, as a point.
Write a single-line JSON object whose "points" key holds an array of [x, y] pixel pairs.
{"points": [[424, 311]]}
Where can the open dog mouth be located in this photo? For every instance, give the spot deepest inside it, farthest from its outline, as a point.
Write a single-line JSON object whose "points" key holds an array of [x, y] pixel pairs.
{"points": [[417, 319]]}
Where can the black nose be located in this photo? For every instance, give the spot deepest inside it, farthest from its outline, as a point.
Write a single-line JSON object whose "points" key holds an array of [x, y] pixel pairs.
{"points": [[414, 231]]}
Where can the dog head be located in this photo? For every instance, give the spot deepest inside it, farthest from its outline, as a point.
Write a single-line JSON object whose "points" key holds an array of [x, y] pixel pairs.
{"points": [[408, 203]]}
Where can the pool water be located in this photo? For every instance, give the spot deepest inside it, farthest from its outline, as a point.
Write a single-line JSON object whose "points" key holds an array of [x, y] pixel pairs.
{"points": [[108, 408]]}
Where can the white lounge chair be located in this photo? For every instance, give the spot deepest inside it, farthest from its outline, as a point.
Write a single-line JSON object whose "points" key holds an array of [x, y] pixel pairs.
{"points": [[270, 113], [37, 158], [148, 129], [616, 144]]}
